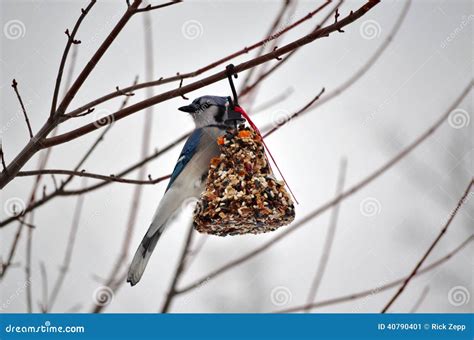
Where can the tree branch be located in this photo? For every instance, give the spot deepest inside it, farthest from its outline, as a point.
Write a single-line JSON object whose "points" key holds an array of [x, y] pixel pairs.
{"points": [[376, 290], [430, 249], [273, 101], [151, 8], [15, 88], [273, 27], [420, 300], [2, 157], [179, 271], [294, 115], [263, 74], [70, 42], [83, 173], [114, 281], [198, 72], [37, 142], [72, 192], [63, 270], [323, 32], [44, 278], [329, 237], [61, 191]]}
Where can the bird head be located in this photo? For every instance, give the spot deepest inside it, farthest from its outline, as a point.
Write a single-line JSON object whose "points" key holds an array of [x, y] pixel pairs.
{"points": [[208, 110]]}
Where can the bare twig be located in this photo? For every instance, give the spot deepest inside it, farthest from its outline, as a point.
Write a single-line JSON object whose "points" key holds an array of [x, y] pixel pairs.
{"points": [[110, 178], [65, 192], [25, 115], [44, 278], [295, 114], [179, 271], [192, 254], [70, 42], [431, 247], [37, 142], [263, 74], [35, 203], [330, 236], [273, 28], [28, 255], [44, 157], [362, 70], [2, 156], [128, 170], [61, 191], [369, 63], [179, 76], [151, 8], [6, 264], [420, 300], [273, 101], [64, 268], [320, 33], [379, 289], [113, 278], [377, 173]]}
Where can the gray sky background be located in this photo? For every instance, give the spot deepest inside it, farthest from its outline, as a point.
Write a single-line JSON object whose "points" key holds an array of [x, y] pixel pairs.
{"points": [[411, 85]]}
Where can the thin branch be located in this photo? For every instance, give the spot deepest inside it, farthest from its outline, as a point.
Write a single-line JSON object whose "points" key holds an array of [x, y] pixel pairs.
{"points": [[43, 160], [71, 192], [420, 300], [329, 237], [25, 115], [2, 156], [193, 253], [263, 74], [323, 32], [430, 249], [6, 264], [365, 67], [64, 268], [131, 168], [367, 180], [379, 289], [61, 191], [273, 101], [114, 279], [37, 142], [28, 256], [110, 178], [295, 114], [273, 28], [151, 8], [70, 42], [44, 279], [179, 271], [179, 76], [86, 71]]}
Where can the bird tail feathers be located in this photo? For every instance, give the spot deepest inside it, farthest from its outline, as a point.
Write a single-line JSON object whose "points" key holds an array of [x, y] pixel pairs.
{"points": [[142, 256]]}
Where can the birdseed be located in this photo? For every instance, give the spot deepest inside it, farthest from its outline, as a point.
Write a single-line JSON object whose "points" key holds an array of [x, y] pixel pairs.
{"points": [[242, 195]]}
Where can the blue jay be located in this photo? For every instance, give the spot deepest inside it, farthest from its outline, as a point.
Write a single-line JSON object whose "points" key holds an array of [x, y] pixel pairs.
{"points": [[210, 114]]}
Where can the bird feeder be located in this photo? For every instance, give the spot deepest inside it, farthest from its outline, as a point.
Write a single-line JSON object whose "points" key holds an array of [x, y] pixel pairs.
{"points": [[242, 196]]}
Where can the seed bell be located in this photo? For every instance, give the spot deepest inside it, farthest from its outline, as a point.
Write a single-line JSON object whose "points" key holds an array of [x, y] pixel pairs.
{"points": [[242, 196]]}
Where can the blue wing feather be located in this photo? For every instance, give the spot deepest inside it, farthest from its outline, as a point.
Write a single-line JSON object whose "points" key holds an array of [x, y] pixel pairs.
{"points": [[186, 154]]}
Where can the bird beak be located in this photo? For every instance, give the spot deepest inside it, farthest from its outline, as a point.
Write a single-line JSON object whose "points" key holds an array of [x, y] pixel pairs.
{"points": [[191, 108]]}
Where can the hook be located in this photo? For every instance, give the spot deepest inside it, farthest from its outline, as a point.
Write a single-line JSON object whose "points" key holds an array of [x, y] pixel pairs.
{"points": [[230, 69]]}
